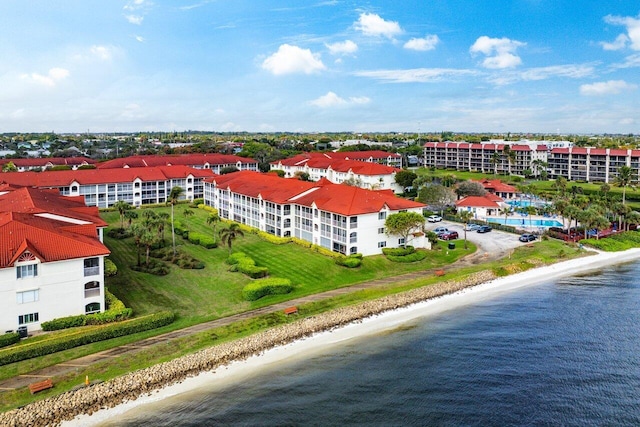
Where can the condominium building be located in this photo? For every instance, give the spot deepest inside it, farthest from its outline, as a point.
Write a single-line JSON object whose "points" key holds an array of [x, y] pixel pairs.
{"points": [[369, 175], [51, 257], [44, 163], [213, 161], [103, 187], [338, 217], [592, 164]]}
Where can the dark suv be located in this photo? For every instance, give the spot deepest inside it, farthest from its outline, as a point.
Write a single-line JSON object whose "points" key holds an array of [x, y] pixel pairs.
{"points": [[527, 238], [484, 229]]}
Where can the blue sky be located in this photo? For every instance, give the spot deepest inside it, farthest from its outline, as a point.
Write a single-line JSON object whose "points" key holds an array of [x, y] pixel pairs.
{"points": [[543, 66]]}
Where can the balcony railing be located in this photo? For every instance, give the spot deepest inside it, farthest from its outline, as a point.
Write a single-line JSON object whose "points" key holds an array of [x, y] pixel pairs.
{"points": [[91, 271], [95, 292]]}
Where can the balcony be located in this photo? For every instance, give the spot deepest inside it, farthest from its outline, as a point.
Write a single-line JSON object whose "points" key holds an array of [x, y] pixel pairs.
{"points": [[91, 271]]}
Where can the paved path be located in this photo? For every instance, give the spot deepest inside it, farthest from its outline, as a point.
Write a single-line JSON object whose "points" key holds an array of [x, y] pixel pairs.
{"points": [[120, 351]]}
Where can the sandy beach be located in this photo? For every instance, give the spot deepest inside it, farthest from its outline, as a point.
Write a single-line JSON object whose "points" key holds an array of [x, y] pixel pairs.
{"points": [[323, 341]]}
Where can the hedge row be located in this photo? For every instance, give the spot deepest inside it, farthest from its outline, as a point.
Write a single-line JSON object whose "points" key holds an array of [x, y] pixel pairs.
{"points": [[414, 257], [115, 312], [110, 269], [245, 264], [9, 338], [398, 251], [202, 240], [263, 287], [349, 261], [53, 345]]}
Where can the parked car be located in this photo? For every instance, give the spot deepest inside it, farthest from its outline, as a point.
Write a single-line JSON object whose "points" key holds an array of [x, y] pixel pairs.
{"points": [[434, 218], [473, 227], [483, 229], [440, 230], [527, 237], [449, 235]]}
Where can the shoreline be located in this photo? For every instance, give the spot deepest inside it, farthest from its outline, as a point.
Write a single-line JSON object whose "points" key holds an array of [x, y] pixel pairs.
{"points": [[227, 363]]}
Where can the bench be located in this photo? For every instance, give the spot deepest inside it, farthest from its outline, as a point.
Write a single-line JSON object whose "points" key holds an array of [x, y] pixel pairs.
{"points": [[439, 273], [39, 386], [290, 310]]}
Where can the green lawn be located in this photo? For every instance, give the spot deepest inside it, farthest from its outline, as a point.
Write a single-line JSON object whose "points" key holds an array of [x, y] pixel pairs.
{"points": [[214, 292]]}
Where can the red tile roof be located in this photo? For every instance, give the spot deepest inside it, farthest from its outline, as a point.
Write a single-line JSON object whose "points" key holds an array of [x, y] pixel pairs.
{"points": [[338, 198], [184, 160], [50, 226], [43, 161], [101, 176], [495, 185], [326, 161], [477, 202]]}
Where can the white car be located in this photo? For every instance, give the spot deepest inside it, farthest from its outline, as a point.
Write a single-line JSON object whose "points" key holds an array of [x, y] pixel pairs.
{"points": [[472, 227], [434, 218]]}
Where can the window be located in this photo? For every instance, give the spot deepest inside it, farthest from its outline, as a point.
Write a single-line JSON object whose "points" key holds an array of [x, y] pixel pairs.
{"points": [[382, 244], [27, 318], [381, 230], [353, 237], [94, 307], [353, 222], [382, 215], [91, 266], [23, 271], [401, 242], [27, 296], [92, 289], [353, 250]]}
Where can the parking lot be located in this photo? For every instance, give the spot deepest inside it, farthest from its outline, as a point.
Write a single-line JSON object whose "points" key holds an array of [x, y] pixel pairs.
{"points": [[495, 244]]}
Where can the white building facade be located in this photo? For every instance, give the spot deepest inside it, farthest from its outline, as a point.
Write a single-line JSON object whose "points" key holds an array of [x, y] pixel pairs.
{"points": [[340, 218]]}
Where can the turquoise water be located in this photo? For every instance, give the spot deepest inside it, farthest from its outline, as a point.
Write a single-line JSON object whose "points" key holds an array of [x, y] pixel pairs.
{"points": [[564, 353], [525, 203], [525, 222]]}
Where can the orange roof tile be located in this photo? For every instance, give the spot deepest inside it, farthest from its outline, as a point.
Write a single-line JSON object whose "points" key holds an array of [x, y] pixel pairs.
{"points": [[196, 159], [477, 202]]}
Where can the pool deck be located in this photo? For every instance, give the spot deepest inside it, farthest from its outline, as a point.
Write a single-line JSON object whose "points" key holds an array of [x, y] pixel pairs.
{"points": [[524, 223]]}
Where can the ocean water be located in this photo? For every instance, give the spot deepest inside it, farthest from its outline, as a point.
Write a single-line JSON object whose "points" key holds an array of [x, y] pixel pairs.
{"points": [[561, 353]]}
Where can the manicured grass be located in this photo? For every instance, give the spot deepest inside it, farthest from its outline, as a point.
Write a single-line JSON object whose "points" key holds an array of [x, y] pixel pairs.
{"points": [[215, 292], [525, 257]]}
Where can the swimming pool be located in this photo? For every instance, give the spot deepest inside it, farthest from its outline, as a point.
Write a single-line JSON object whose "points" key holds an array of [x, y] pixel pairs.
{"points": [[525, 222], [520, 203]]}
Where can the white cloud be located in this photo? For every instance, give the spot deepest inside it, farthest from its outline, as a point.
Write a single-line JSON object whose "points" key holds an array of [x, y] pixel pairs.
{"points": [[415, 75], [619, 43], [542, 73], [140, 39], [51, 79], [342, 48], [292, 59], [371, 24], [500, 52], [633, 32], [104, 53], [611, 87], [134, 19], [331, 99], [137, 4], [423, 44], [631, 61]]}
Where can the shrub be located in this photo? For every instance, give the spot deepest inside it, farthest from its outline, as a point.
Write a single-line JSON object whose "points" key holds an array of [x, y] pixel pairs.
{"points": [[115, 312], [196, 202], [398, 251], [273, 239], [194, 237], [208, 208], [53, 345], [244, 264], [349, 262], [64, 323], [119, 233], [413, 257], [263, 287], [9, 338], [110, 269], [155, 267]]}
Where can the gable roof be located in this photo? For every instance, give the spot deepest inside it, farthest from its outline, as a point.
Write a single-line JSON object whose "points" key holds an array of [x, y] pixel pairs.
{"points": [[477, 202], [327, 160], [50, 226], [337, 198], [196, 159]]}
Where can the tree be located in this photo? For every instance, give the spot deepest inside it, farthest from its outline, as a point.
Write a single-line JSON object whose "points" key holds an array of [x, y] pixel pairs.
{"points": [[465, 216], [560, 185], [403, 224], [130, 216], [506, 211], [213, 219], [510, 155], [632, 217], [436, 196], [495, 159], [530, 210], [592, 219], [122, 207], [174, 195], [162, 222], [9, 167], [470, 188], [187, 213], [145, 237], [228, 235], [405, 178], [624, 179]]}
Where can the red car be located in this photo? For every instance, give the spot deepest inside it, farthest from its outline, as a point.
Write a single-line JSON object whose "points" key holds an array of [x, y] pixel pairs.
{"points": [[449, 235]]}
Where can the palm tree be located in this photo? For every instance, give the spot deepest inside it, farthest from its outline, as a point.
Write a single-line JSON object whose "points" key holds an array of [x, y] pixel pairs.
{"points": [[506, 211], [187, 213], [122, 207], [162, 222], [530, 210], [174, 195], [228, 235], [130, 216], [465, 216], [560, 185], [213, 219], [632, 217], [495, 159], [510, 155], [624, 179], [145, 237]]}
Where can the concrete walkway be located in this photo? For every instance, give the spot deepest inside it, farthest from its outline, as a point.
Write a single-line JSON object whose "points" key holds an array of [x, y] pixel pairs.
{"points": [[82, 363]]}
